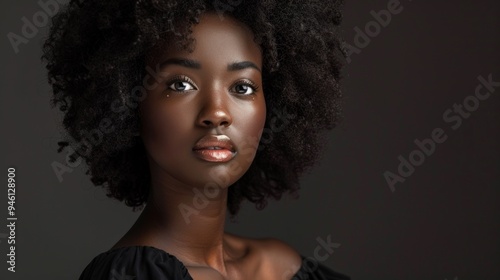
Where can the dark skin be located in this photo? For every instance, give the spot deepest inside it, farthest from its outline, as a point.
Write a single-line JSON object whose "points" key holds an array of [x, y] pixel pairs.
{"points": [[216, 89]]}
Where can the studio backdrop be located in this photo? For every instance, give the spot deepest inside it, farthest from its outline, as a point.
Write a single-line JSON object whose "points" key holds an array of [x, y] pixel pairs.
{"points": [[408, 185]]}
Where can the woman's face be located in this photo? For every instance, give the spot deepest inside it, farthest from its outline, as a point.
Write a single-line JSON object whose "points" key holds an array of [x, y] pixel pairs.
{"points": [[213, 93]]}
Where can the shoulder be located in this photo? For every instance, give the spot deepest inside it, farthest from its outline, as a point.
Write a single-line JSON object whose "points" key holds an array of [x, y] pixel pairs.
{"points": [[286, 261], [135, 262], [274, 248], [276, 259]]}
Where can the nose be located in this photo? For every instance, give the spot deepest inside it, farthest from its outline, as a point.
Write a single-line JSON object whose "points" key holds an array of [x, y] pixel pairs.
{"points": [[214, 111]]}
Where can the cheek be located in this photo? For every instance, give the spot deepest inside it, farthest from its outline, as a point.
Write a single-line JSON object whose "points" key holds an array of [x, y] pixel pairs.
{"points": [[251, 131], [162, 130], [257, 125]]}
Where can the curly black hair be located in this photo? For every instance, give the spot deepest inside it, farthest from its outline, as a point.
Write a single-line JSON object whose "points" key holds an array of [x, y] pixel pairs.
{"points": [[96, 53]]}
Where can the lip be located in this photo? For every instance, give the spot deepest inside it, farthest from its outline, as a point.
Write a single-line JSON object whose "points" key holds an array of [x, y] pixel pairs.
{"points": [[215, 148]]}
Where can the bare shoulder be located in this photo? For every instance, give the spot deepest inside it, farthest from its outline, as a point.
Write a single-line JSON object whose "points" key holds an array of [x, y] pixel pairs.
{"points": [[275, 248], [277, 259], [281, 256]]}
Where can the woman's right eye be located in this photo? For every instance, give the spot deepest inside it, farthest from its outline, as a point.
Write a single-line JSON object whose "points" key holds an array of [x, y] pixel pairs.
{"points": [[181, 86]]}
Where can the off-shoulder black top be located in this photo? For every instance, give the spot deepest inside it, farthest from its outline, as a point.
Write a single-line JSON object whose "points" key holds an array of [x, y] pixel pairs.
{"points": [[150, 263]]}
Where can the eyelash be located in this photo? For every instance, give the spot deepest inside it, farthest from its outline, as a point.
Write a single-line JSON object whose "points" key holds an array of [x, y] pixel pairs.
{"points": [[176, 79], [249, 83], [179, 79]]}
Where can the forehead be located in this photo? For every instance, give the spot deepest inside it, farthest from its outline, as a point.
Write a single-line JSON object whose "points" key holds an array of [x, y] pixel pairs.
{"points": [[216, 41]]}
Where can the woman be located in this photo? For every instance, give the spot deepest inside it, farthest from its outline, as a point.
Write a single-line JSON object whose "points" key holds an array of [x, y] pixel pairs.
{"points": [[183, 109]]}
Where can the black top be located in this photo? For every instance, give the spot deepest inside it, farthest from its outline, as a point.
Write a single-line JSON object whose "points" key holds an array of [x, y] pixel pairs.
{"points": [[150, 263]]}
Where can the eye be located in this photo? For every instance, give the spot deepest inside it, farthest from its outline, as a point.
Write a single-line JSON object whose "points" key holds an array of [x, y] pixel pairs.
{"points": [[181, 84], [245, 88]]}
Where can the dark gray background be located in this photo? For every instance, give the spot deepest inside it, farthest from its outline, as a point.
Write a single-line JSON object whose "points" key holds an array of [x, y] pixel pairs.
{"points": [[443, 222]]}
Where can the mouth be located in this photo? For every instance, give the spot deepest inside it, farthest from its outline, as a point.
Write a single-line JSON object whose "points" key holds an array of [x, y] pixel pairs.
{"points": [[215, 148]]}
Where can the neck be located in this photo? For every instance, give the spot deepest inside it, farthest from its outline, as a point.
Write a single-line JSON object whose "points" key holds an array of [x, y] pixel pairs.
{"points": [[185, 221]]}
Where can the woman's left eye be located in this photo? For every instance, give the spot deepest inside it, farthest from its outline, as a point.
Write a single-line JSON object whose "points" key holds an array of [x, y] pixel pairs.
{"points": [[244, 89]]}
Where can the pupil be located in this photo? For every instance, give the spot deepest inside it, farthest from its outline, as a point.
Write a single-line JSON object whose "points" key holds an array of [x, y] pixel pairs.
{"points": [[242, 88], [180, 85]]}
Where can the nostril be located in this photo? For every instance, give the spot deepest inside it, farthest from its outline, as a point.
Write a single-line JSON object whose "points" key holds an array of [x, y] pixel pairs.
{"points": [[210, 123], [214, 118]]}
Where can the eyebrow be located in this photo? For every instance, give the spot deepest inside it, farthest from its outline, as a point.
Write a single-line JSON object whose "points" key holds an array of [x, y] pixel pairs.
{"points": [[242, 65], [189, 63]]}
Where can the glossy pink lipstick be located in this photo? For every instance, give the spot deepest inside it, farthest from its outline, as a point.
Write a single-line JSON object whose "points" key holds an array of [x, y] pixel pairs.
{"points": [[215, 148]]}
